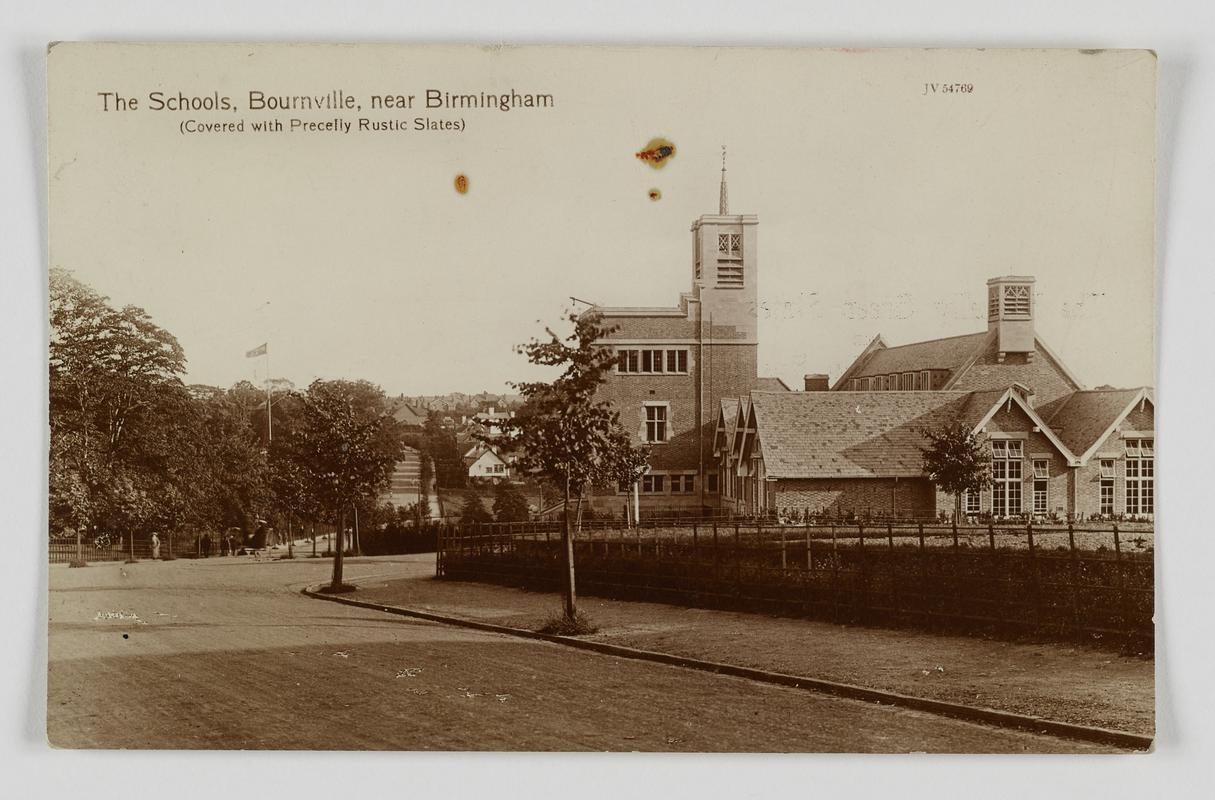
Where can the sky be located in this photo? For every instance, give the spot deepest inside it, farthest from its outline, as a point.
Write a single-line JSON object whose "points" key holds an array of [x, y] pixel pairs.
{"points": [[884, 203]]}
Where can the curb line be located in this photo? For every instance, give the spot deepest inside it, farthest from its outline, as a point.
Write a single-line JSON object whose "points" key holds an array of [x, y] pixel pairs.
{"points": [[991, 716]]}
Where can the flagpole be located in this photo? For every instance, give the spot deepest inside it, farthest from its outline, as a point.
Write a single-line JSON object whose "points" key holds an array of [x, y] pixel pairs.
{"points": [[269, 417]]}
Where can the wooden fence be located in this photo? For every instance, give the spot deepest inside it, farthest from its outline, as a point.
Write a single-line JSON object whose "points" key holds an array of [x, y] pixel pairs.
{"points": [[1075, 581]]}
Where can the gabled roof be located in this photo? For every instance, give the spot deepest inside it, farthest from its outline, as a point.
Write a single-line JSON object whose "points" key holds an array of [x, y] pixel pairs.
{"points": [[723, 433], [849, 434], [408, 414], [872, 434], [770, 385], [1083, 420], [951, 353]]}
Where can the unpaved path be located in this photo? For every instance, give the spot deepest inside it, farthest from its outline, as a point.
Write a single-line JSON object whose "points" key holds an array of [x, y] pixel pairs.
{"points": [[226, 653]]}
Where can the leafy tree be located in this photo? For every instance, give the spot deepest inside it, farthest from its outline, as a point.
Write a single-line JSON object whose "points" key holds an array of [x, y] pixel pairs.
{"points": [[561, 432], [440, 444], [115, 402], [474, 509], [509, 503], [348, 445], [956, 462]]}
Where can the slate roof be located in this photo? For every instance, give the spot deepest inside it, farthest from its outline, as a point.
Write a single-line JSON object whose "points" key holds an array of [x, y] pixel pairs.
{"points": [[950, 353], [770, 385], [1082, 418], [408, 414], [850, 434]]}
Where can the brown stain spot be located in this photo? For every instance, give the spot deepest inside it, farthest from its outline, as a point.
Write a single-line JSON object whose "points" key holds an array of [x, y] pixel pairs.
{"points": [[654, 194], [461, 183], [657, 153]]}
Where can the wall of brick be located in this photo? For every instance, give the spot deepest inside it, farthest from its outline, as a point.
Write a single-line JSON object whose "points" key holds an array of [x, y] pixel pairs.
{"points": [[906, 497], [1036, 446], [1088, 477]]}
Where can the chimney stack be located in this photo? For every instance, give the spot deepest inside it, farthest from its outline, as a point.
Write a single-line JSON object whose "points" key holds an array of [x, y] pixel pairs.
{"points": [[816, 382]]}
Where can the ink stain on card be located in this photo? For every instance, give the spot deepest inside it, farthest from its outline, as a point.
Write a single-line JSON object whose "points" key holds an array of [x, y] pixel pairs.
{"points": [[654, 194], [657, 153], [461, 183]]}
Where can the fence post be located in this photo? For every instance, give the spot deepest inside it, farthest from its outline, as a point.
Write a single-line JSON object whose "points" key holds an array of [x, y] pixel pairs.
{"points": [[861, 597], [995, 569], [835, 576], [1123, 604], [737, 564], [439, 552], [1033, 572], [1074, 574], [923, 558], [716, 563]]}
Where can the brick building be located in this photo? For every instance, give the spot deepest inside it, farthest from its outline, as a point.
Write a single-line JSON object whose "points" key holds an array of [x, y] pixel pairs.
{"points": [[1057, 449], [676, 363]]}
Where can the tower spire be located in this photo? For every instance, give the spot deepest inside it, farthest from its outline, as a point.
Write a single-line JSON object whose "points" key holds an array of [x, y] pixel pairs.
{"points": [[723, 202]]}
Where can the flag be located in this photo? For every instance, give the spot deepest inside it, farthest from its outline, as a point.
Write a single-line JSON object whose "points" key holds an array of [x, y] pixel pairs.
{"points": [[257, 351]]}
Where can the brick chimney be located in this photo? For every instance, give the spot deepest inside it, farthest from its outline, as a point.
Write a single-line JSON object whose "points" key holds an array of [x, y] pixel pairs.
{"points": [[816, 382]]}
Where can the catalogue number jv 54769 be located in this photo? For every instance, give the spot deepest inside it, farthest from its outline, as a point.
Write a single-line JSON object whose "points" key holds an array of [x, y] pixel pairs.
{"points": [[948, 88]]}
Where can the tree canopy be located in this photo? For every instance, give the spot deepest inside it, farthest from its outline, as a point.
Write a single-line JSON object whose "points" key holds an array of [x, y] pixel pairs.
{"points": [[956, 461]]}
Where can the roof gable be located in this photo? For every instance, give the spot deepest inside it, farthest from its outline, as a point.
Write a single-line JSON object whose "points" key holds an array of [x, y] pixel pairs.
{"points": [[951, 353], [849, 434], [1086, 419]]}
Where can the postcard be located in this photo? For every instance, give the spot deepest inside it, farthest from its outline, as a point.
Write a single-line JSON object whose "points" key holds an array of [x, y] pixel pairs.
{"points": [[697, 399]]}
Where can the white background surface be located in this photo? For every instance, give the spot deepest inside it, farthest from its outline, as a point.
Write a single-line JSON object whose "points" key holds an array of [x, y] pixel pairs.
{"points": [[1183, 34]]}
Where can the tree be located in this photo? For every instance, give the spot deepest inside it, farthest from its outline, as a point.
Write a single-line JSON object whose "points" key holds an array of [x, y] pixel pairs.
{"points": [[562, 433], [509, 503], [956, 462], [440, 444], [474, 509], [348, 445], [117, 407]]}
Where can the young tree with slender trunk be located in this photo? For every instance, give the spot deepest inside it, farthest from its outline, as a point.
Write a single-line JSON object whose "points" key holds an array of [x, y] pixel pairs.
{"points": [[956, 461], [348, 445], [562, 433]]}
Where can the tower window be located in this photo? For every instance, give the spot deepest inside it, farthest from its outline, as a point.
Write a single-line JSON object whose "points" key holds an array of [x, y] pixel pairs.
{"points": [[652, 362], [729, 245], [655, 423]]}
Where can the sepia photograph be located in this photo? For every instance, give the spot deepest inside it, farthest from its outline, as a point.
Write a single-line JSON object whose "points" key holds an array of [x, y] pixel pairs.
{"points": [[627, 399]]}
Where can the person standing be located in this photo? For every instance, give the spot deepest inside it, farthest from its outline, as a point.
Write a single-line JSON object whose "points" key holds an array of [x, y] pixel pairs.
{"points": [[155, 546]]}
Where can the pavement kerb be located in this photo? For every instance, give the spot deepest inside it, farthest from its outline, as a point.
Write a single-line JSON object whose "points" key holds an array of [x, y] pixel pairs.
{"points": [[990, 716]]}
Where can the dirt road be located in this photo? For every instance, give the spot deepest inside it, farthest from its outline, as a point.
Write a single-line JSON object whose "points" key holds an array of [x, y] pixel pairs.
{"points": [[225, 653]]}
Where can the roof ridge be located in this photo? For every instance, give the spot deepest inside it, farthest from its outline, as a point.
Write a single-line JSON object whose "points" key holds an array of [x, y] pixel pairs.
{"points": [[938, 339]]}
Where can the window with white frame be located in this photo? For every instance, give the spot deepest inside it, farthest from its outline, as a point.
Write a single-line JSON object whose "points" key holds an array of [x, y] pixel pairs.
{"points": [[655, 422], [653, 361], [1140, 476], [683, 484], [971, 503], [907, 382], [653, 484], [623, 487], [925, 379], [1106, 500], [1041, 486], [1006, 462], [729, 245], [628, 361]]}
